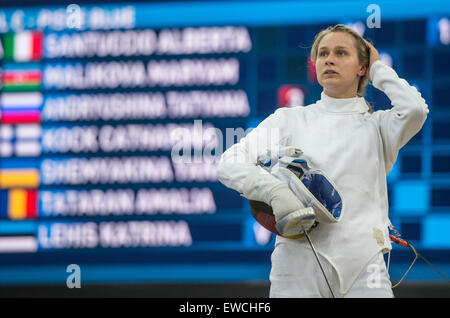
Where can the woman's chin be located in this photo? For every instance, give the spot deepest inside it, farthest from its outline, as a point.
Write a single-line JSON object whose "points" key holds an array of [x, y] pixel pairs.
{"points": [[331, 79], [331, 86]]}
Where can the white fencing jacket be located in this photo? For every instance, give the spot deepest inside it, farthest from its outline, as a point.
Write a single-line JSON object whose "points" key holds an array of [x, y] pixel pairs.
{"points": [[356, 149]]}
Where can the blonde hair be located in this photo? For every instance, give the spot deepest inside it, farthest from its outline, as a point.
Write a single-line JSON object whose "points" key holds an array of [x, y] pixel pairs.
{"points": [[361, 47]]}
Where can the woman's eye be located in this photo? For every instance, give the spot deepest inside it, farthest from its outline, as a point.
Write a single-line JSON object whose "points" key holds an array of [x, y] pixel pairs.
{"points": [[340, 53]]}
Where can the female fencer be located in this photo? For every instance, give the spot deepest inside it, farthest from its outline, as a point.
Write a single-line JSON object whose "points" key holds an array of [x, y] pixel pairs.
{"points": [[356, 147]]}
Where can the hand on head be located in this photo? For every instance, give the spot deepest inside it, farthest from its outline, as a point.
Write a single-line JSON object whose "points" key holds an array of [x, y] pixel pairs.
{"points": [[374, 56]]}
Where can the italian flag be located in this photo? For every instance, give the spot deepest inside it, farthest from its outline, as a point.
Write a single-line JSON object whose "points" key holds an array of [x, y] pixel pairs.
{"points": [[23, 46]]}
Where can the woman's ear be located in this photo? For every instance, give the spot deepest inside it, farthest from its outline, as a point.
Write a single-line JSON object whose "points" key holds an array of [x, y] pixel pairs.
{"points": [[363, 71]]}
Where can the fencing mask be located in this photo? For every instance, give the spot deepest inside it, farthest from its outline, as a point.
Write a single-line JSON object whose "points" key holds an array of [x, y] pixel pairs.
{"points": [[311, 186]]}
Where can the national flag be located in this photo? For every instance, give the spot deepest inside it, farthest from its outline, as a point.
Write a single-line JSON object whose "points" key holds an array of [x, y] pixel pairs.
{"points": [[23, 46], [20, 140], [19, 177], [16, 108], [21, 77], [18, 244], [16, 236], [19, 204], [19, 173]]}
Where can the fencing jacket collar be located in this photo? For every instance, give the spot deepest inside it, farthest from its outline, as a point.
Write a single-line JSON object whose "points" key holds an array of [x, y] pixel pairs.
{"points": [[343, 105]]}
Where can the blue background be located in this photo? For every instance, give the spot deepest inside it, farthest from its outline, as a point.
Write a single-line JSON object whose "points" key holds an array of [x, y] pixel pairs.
{"points": [[419, 185]]}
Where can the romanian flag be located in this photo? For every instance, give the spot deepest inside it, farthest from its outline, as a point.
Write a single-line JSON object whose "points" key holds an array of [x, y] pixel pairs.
{"points": [[18, 77], [17, 108], [19, 173], [18, 204], [23, 46]]}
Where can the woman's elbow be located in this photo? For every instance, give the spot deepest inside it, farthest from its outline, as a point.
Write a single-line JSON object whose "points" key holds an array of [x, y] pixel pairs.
{"points": [[421, 109], [417, 111]]}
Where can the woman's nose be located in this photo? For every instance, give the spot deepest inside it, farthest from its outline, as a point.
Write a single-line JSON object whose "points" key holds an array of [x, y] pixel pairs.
{"points": [[329, 60]]}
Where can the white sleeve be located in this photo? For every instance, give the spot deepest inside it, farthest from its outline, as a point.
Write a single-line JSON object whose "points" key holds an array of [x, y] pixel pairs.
{"points": [[241, 158], [407, 116]]}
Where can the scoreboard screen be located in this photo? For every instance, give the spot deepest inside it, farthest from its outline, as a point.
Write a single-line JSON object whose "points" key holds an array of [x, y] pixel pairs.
{"points": [[113, 118]]}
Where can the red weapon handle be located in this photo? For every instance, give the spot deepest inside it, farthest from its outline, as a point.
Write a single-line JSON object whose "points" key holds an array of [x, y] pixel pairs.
{"points": [[399, 241]]}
